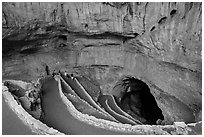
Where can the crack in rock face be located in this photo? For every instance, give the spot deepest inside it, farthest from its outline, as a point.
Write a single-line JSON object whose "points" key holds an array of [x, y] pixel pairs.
{"points": [[102, 68]]}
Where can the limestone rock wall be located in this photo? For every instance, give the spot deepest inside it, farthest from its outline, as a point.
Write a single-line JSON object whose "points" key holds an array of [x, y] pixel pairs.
{"points": [[169, 32], [181, 83], [160, 43], [35, 125]]}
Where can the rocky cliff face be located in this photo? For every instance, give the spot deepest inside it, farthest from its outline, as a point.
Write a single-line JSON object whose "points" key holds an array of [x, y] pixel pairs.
{"points": [[159, 43], [170, 32]]}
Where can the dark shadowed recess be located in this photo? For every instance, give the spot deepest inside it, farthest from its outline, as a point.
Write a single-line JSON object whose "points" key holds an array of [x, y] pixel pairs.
{"points": [[15, 46], [107, 35], [89, 35], [138, 101]]}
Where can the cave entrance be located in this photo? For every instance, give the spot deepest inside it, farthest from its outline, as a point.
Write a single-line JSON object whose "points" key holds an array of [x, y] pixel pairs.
{"points": [[134, 97]]}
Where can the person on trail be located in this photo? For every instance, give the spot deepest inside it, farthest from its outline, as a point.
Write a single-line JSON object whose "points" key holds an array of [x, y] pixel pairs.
{"points": [[67, 75], [47, 70], [72, 76], [59, 72], [53, 73]]}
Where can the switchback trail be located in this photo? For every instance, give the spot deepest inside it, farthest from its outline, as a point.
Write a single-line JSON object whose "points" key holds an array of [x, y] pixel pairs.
{"points": [[57, 116]]}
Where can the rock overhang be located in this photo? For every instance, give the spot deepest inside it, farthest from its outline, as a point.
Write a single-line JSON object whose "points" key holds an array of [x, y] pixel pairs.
{"points": [[167, 65]]}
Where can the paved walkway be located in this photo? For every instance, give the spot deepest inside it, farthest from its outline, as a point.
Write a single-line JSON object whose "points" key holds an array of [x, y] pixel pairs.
{"points": [[57, 115], [11, 123]]}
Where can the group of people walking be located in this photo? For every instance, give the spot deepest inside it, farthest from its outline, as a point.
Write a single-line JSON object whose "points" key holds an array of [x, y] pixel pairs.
{"points": [[58, 73]]}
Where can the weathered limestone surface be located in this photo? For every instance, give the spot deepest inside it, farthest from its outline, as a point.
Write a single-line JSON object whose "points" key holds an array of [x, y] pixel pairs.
{"points": [[40, 128], [159, 43], [171, 32], [35, 125]]}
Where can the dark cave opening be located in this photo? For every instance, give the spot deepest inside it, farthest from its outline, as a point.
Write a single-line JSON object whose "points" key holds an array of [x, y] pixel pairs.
{"points": [[138, 101]]}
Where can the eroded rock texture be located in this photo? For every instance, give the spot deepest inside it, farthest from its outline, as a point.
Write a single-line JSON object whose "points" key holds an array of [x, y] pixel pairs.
{"points": [[158, 43], [57, 96], [171, 32]]}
